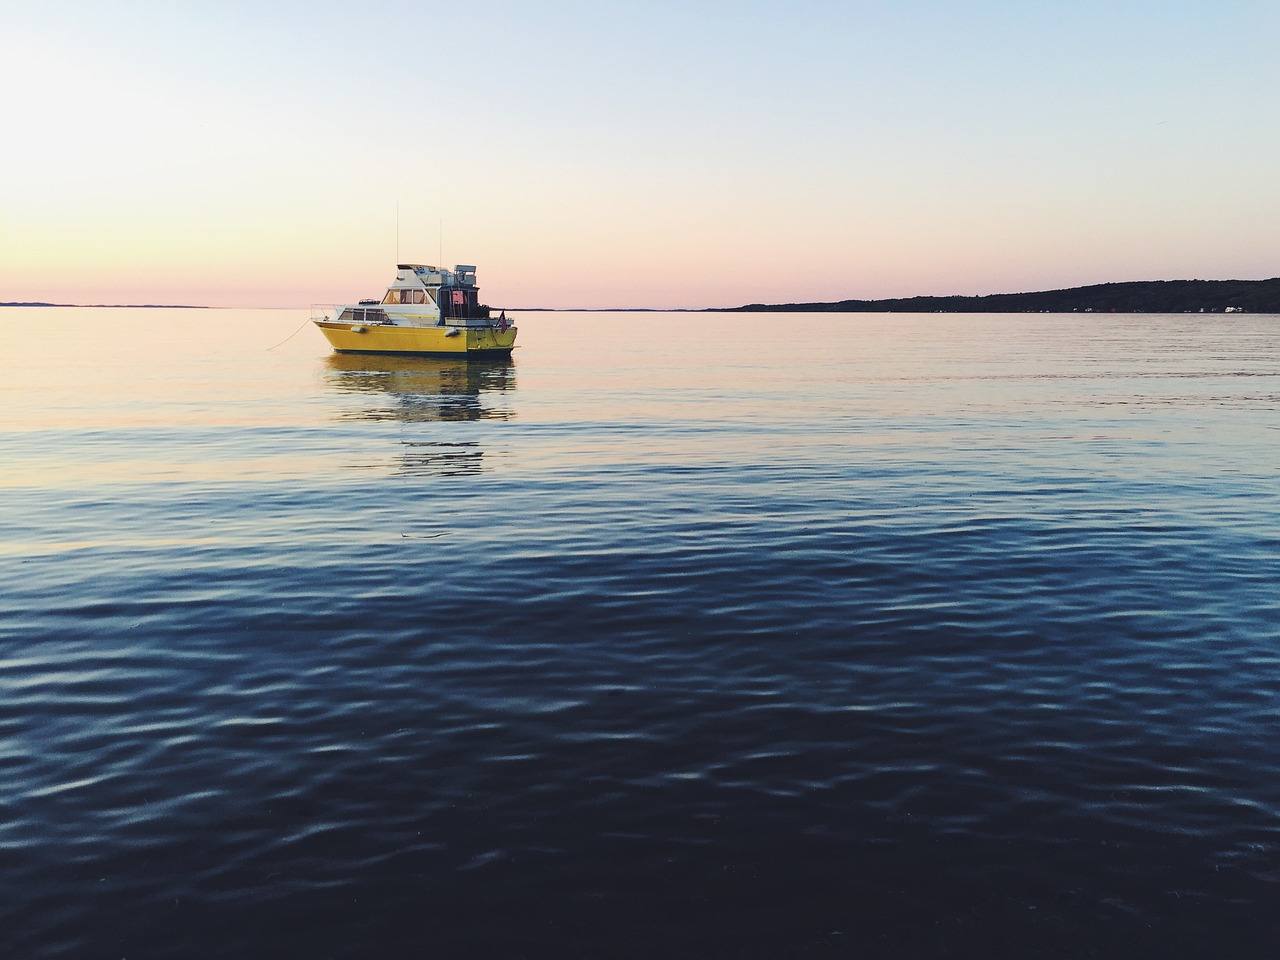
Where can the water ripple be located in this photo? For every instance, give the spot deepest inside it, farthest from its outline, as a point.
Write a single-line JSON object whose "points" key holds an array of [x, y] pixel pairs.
{"points": [[947, 640]]}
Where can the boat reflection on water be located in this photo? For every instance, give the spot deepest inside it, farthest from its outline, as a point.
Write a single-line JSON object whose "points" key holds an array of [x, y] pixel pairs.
{"points": [[425, 390], [415, 389]]}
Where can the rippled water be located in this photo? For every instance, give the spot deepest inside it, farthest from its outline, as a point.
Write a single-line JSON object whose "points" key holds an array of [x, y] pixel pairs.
{"points": [[675, 636]]}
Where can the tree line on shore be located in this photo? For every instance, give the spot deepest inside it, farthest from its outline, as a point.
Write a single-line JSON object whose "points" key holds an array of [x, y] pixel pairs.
{"points": [[1143, 296]]}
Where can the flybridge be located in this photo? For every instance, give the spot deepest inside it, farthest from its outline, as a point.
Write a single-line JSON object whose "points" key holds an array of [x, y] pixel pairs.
{"points": [[462, 275]]}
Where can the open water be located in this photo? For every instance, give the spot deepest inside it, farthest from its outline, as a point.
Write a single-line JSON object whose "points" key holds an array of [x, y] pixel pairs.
{"points": [[676, 636]]}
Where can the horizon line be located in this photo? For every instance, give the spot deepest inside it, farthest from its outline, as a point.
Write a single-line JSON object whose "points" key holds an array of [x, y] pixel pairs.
{"points": [[739, 307]]}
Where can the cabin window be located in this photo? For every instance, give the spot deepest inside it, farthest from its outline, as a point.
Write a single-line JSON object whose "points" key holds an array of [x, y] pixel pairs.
{"points": [[407, 296]]}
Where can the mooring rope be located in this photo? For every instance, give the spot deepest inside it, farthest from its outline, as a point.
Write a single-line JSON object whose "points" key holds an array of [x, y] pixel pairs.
{"points": [[292, 335]]}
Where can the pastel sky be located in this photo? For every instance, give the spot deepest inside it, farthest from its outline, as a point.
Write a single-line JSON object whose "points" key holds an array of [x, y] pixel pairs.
{"points": [[661, 154]]}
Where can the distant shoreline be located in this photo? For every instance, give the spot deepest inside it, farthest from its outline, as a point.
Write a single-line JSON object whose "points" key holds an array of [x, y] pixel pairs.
{"points": [[1143, 296], [110, 306]]}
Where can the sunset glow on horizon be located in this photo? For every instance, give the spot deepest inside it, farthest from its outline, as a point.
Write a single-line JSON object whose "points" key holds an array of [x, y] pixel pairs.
{"points": [[586, 155]]}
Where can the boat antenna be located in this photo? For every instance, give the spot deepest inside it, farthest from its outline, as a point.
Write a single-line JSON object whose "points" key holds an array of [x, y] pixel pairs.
{"points": [[441, 261], [397, 231]]}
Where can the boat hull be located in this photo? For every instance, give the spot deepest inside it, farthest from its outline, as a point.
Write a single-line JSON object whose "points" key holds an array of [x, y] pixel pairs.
{"points": [[436, 341]]}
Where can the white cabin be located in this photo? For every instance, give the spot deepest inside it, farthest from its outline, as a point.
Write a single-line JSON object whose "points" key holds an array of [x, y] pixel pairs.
{"points": [[423, 295]]}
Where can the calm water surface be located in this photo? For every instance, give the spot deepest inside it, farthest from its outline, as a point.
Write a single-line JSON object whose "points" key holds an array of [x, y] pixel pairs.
{"points": [[675, 636]]}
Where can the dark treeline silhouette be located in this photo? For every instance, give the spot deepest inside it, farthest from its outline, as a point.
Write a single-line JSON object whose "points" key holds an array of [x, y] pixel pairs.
{"points": [[1145, 296]]}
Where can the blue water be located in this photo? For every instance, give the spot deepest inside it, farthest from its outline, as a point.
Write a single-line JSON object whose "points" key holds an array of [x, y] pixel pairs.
{"points": [[675, 636]]}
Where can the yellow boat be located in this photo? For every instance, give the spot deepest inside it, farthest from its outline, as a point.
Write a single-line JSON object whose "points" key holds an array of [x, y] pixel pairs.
{"points": [[426, 310]]}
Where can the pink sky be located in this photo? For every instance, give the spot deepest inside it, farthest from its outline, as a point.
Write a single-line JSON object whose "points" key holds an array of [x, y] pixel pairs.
{"points": [[600, 158]]}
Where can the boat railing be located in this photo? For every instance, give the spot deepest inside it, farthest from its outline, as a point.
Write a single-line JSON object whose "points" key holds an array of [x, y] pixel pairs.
{"points": [[324, 311]]}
